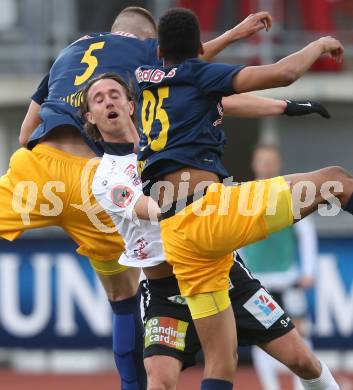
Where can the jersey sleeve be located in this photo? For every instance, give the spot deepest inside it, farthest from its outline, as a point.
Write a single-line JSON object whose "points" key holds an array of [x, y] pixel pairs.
{"points": [[42, 91], [216, 79]]}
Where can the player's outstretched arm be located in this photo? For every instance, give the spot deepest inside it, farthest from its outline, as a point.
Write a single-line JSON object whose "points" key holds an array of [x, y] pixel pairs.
{"points": [[287, 70], [246, 105], [249, 26], [32, 118], [30, 123]]}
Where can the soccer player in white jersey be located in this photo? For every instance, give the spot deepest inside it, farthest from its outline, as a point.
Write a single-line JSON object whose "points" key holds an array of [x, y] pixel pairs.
{"points": [[170, 338]]}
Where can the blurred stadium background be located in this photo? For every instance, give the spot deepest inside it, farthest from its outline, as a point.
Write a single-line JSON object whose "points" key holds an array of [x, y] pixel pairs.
{"points": [[54, 318]]}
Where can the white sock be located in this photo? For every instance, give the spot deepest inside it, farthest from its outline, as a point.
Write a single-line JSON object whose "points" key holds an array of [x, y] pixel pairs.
{"points": [[266, 369], [325, 381]]}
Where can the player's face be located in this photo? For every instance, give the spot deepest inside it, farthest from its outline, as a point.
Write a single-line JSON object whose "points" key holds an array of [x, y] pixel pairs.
{"points": [[109, 108], [266, 163]]}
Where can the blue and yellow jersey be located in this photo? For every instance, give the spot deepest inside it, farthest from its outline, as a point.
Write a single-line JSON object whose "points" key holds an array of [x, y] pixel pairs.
{"points": [[89, 56], [180, 113]]}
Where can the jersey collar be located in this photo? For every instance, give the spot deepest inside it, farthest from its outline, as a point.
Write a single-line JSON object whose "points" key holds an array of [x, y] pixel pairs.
{"points": [[118, 148]]}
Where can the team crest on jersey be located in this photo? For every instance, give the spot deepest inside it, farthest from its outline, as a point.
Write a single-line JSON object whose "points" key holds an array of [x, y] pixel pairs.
{"points": [[121, 195], [130, 170]]}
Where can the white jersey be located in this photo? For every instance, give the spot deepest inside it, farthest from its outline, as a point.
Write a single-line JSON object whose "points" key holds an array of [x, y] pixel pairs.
{"points": [[117, 187]]}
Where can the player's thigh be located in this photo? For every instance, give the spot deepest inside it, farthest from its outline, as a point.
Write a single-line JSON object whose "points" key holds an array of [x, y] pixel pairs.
{"points": [[249, 212], [93, 230], [199, 243], [162, 371], [229, 217], [25, 196]]}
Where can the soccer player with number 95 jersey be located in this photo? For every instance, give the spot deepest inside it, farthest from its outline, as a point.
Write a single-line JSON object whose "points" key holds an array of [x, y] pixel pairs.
{"points": [[204, 220]]}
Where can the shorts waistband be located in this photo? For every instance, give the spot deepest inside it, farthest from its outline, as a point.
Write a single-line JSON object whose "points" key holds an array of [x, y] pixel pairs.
{"points": [[167, 282], [174, 208], [59, 154]]}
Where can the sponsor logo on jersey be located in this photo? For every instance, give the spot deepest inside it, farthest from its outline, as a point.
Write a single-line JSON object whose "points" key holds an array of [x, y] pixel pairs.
{"points": [[139, 252], [121, 195], [166, 331], [153, 75], [264, 308], [130, 170], [74, 99]]}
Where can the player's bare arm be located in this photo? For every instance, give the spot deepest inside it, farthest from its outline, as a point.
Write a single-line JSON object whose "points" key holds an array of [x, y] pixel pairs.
{"points": [[248, 27], [246, 105], [289, 69], [30, 122], [146, 208]]}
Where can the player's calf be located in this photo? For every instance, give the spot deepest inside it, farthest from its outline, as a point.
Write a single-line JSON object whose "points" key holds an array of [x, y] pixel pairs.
{"points": [[305, 365], [291, 350], [128, 343], [217, 334], [121, 286]]}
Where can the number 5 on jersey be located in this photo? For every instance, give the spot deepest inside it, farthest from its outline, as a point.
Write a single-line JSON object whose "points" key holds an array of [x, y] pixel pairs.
{"points": [[91, 61], [149, 114]]}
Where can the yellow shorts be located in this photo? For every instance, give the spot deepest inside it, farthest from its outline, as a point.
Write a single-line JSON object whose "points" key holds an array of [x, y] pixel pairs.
{"points": [[47, 187], [200, 239]]}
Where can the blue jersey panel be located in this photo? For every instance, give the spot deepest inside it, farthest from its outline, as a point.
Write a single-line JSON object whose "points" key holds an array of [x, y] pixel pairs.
{"points": [[42, 91], [180, 114], [76, 64]]}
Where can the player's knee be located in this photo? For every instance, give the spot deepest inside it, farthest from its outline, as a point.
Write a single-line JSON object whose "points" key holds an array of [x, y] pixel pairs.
{"points": [[344, 180], [121, 292], [158, 377], [336, 172], [221, 367], [160, 383], [305, 365], [119, 281]]}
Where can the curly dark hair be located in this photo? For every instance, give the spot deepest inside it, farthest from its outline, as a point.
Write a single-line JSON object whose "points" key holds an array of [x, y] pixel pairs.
{"points": [[91, 129], [179, 35]]}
